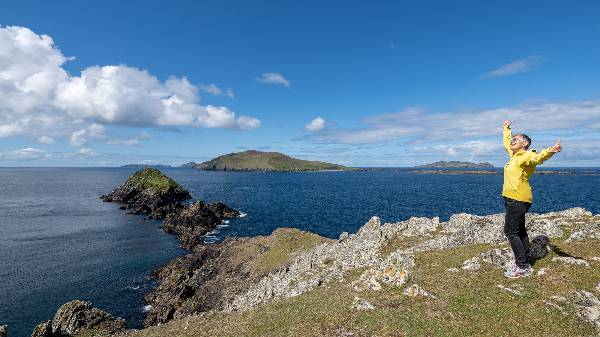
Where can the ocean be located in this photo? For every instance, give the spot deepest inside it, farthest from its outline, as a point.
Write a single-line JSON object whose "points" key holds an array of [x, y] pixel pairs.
{"points": [[59, 241]]}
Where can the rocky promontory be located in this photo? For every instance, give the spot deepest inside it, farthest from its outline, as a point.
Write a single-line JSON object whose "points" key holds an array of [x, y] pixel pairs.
{"points": [[416, 277], [149, 191], [192, 222], [406, 276], [79, 318]]}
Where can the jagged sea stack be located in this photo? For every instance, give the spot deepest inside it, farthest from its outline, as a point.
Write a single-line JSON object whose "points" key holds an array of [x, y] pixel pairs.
{"points": [[79, 318], [149, 191]]}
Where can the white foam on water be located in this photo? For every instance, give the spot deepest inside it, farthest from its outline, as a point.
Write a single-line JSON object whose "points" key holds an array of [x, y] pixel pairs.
{"points": [[133, 287], [146, 308], [242, 215], [225, 221]]}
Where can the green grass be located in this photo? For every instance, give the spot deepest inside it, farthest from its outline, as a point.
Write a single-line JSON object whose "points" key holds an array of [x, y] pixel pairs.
{"points": [[284, 242], [153, 179], [467, 304], [265, 161]]}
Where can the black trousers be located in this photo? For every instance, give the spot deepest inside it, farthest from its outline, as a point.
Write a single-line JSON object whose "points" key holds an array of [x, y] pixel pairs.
{"points": [[514, 229]]}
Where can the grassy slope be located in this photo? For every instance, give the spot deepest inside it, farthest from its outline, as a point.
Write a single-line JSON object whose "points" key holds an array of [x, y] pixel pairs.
{"points": [[265, 161], [153, 179], [468, 304]]}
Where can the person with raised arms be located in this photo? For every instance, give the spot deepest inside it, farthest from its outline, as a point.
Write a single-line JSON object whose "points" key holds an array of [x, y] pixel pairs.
{"points": [[517, 194]]}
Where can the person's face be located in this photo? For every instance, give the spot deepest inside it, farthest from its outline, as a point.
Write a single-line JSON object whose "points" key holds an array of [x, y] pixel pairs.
{"points": [[517, 143]]}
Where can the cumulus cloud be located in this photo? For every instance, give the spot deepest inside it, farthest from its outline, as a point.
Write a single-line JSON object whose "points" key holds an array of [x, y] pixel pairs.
{"points": [[516, 67], [422, 125], [41, 100], [274, 78], [316, 124]]}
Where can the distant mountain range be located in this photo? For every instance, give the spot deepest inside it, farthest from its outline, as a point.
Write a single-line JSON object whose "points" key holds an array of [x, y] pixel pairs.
{"points": [[266, 161], [455, 164]]}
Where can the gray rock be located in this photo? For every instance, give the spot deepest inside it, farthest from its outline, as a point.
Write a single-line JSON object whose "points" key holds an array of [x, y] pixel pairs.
{"points": [[2, 330], [43, 329], [77, 317], [516, 289], [498, 257], [415, 291], [571, 260], [587, 307], [362, 304], [472, 264]]}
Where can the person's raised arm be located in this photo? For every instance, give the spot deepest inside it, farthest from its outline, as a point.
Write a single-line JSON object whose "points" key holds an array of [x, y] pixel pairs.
{"points": [[543, 156], [507, 136]]}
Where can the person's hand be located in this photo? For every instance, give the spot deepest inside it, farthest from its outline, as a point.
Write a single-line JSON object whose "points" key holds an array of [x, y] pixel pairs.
{"points": [[507, 123], [557, 147]]}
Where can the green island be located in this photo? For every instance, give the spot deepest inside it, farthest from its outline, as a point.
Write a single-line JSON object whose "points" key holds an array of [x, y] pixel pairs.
{"points": [[153, 179], [252, 160], [455, 164]]}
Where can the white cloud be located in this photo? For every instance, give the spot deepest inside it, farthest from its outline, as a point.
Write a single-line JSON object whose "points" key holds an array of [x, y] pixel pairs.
{"points": [[426, 126], [41, 100], [93, 132], [46, 140], [516, 67], [316, 124], [477, 148], [24, 154], [214, 90], [274, 78], [82, 153]]}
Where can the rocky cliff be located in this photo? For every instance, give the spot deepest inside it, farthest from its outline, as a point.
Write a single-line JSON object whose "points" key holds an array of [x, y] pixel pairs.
{"points": [[79, 318], [149, 191], [416, 277]]}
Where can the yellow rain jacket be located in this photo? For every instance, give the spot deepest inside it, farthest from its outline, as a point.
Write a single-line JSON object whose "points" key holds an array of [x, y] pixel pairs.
{"points": [[519, 169]]}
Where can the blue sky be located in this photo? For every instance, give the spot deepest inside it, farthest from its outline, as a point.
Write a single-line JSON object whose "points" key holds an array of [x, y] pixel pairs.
{"points": [[358, 83]]}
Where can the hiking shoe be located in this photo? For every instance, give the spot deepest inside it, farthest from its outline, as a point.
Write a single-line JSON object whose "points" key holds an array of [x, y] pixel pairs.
{"points": [[516, 272]]}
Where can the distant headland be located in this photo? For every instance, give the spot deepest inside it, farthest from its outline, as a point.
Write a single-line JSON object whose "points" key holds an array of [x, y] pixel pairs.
{"points": [[252, 160], [457, 164]]}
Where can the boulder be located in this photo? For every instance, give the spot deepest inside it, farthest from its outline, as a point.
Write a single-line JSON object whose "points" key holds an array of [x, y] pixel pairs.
{"points": [[2, 330], [361, 304], [223, 211], [79, 317], [43, 329], [192, 222]]}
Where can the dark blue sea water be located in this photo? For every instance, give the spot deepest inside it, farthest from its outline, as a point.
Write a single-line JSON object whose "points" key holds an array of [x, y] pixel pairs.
{"points": [[59, 242]]}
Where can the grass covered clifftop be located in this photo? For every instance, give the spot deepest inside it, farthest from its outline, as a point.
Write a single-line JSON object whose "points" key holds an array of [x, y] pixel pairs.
{"points": [[265, 161], [419, 277]]}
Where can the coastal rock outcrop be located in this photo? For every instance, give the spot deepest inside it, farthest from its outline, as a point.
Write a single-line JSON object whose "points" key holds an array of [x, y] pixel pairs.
{"points": [[79, 317], [212, 275], [191, 222], [2, 330], [149, 191]]}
